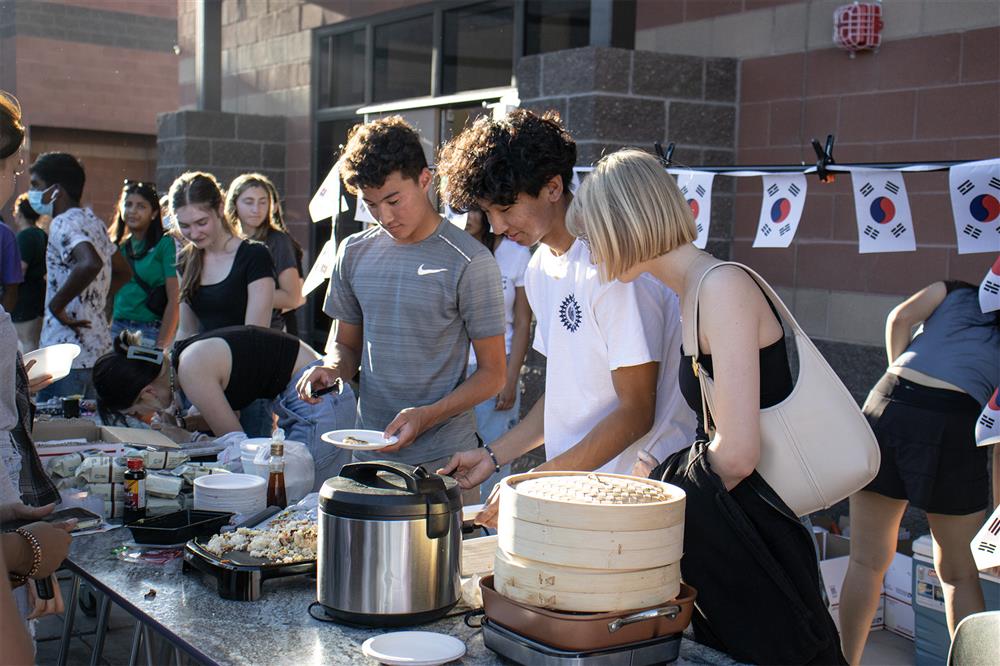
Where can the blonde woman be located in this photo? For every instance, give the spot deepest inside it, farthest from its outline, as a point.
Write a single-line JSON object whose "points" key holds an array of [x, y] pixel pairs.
{"points": [[253, 206], [226, 281], [748, 555]]}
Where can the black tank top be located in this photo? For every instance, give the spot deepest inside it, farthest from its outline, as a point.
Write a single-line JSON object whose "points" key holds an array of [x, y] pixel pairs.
{"points": [[263, 361], [775, 376]]}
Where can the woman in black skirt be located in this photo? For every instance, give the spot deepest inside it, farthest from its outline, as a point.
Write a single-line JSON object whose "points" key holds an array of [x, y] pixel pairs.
{"points": [[923, 412]]}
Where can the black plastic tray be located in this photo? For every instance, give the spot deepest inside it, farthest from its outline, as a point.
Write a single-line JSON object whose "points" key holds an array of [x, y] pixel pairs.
{"points": [[178, 527], [238, 575]]}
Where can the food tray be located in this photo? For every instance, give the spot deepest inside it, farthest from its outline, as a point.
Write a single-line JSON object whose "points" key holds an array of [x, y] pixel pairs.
{"points": [[177, 527], [585, 632]]}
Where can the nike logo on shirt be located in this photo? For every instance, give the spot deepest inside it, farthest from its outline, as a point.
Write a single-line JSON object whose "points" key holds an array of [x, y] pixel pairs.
{"points": [[429, 271]]}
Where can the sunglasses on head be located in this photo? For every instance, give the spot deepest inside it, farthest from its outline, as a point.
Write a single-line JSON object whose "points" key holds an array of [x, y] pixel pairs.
{"points": [[139, 183]]}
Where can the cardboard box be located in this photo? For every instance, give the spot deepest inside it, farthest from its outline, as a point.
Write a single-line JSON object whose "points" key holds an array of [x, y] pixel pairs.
{"points": [[899, 579], [878, 622], [899, 617], [105, 438], [833, 571]]}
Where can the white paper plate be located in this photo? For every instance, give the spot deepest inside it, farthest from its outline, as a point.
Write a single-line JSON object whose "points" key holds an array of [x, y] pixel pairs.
{"points": [[413, 648], [373, 437], [55, 360]]}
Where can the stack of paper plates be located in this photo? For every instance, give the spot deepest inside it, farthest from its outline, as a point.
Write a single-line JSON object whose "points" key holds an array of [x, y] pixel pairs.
{"points": [[237, 493]]}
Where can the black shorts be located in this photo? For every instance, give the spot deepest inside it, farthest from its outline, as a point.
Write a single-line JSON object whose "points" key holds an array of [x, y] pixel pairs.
{"points": [[927, 437]]}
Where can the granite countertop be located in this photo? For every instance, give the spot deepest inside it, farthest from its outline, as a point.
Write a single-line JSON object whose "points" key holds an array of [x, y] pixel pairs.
{"points": [[271, 630]]}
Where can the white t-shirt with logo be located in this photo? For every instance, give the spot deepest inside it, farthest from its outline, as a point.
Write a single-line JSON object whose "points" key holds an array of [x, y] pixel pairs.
{"points": [[513, 261], [69, 229], [586, 329]]}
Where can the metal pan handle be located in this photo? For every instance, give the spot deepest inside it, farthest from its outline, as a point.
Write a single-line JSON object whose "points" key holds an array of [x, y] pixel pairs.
{"points": [[670, 611]]}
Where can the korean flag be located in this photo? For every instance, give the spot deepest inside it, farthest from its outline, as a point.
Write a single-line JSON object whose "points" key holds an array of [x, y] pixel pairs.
{"points": [[460, 220], [781, 209], [988, 425], [696, 186], [326, 202], [986, 544], [883, 212], [362, 214], [989, 289], [322, 269], [975, 204]]}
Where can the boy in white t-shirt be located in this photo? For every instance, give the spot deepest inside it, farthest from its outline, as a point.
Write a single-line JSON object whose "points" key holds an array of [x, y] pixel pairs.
{"points": [[612, 349]]}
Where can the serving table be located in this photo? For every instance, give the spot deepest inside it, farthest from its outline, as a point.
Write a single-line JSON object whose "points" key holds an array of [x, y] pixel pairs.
{"points": [[189, 614]]}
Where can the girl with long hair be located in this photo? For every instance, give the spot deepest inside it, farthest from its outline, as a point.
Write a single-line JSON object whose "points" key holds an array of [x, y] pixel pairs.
{"points": [[227, 281], [149, 302], [254, 207]]}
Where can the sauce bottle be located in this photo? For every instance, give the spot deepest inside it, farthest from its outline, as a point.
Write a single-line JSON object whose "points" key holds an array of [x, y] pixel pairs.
{"points": [[276, 478], [135, 491]]}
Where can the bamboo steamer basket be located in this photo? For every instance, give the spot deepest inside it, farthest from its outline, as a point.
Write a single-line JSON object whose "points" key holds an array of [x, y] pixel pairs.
{"points": [[516, 571], [586, 602], [590, 501], [592, 549]]}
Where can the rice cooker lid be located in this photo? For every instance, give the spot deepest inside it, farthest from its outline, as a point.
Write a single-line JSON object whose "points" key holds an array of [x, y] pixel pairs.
{"points": [[384, 489]]}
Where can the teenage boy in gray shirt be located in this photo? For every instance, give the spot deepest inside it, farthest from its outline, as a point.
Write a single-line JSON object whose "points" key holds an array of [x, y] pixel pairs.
{"points": [[407, 297]]}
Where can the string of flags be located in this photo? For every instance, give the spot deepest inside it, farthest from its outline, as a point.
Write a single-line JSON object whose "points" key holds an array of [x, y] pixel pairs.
{"points": [[881, 204]]}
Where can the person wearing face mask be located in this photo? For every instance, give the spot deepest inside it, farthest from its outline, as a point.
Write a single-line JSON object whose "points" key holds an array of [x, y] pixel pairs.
{"points": [[148, 303], [31, 243], [225, 281], [82, 267]]}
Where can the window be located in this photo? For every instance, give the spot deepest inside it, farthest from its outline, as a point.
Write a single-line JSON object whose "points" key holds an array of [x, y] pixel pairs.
{"points": [[554, 25], [342, 69], [478, 49], [403, 56]]}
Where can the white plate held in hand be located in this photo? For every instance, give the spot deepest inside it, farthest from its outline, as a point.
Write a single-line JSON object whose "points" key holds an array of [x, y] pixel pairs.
{"points": [[413, 648], [372, 438], [55, 360]]}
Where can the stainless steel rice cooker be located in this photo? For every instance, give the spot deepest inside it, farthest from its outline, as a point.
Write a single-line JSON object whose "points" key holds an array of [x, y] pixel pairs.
{"points": [[390, 538]]}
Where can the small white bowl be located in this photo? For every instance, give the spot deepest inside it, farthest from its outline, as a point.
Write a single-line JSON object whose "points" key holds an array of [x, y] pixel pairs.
{"points": [[55, 360]]}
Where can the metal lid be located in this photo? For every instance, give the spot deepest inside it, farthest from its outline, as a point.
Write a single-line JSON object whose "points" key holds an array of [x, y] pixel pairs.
{"points": [[387, 490]]}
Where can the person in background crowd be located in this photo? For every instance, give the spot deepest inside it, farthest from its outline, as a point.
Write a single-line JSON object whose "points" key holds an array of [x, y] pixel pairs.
{"points": [[31, 242], [923, 412], [222, 371], [16, 554], [610, 387], [11, 274], [748, 555], [497, 415], [226, 281], [408, 296], [149, 301], [254, 207], [82, 266]]}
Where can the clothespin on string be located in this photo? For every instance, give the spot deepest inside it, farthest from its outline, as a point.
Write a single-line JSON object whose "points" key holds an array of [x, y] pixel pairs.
{"points": [[666, 156], [824, 158]]}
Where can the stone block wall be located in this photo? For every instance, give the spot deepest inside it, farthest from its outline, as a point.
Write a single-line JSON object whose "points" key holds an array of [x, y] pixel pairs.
{"points": [[224, 144], [613, 98]]}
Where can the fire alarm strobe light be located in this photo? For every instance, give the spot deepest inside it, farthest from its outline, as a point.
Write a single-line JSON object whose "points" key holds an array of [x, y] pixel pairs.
{"points": [[858, 26]]}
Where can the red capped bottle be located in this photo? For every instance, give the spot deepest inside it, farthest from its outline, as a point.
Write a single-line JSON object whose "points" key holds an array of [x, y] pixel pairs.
{"points": [[135, 491]]}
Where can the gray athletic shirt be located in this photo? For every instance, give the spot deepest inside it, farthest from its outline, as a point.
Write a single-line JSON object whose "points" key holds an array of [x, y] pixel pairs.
{"points": [[419, 306]]}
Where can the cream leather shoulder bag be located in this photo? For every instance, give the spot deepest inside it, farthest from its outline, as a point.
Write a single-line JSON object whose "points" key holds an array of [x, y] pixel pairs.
{"points": [[816, 446]]}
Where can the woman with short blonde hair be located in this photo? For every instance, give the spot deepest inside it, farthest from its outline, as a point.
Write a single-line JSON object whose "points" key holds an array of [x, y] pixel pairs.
{"points": [[751, 560]]}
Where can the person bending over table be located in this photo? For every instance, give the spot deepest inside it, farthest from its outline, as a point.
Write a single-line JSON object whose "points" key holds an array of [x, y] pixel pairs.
{"points": [[220, 372]]}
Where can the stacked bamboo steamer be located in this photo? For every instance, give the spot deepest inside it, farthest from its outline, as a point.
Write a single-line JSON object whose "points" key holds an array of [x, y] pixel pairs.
{"points": [[589, 542]]}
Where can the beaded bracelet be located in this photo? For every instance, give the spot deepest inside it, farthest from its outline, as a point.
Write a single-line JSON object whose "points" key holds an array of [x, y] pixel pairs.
{"points": [[36, 558], [496, 465]]}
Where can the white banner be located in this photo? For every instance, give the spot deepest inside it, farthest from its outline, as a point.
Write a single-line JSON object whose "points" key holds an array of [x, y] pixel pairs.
{"points": [[975, 205], [326, 202], [989, 289], [322, 268], [988, 425], [574, 184], [696, 186], [781, 209], [460, 220], [986, 545], [883, 212], [362, 214]]}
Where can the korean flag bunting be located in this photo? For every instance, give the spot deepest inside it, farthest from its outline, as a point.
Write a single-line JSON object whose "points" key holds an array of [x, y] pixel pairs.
{"points": [[986, 545], [322, 268], [696, 186], [574, 184], [326, 202], [362, 214], [989, 289], [781, 209], [988, 425], [883, 212], [975, 204], [460, 220]]}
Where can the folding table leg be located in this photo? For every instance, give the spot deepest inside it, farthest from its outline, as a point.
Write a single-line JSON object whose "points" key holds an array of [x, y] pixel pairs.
{"points": [[133, 656], [68, 618], [103, 614], [147, 644]]}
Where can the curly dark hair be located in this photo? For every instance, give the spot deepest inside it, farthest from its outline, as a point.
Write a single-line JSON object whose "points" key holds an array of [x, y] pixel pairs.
{"points": [[496, 160], [377, 149]]}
